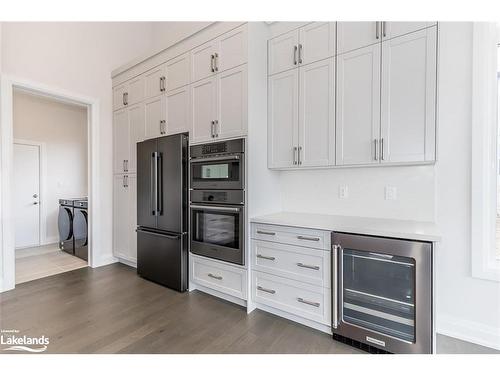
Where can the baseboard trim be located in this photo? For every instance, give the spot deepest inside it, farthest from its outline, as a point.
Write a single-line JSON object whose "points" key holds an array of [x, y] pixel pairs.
{"points": [[128, 262], [466, 330], [104, 262], [217, 294]]}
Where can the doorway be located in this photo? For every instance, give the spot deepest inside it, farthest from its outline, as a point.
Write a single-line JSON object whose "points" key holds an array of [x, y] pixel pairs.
{"points": [[50, 153]]}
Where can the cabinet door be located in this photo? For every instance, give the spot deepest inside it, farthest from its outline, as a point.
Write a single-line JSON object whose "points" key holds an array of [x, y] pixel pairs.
{"points": [[282, 52], [354, 35], [358, 106], [177, 72], [283, 91], [177, 106], [232, 103], [132, 218], [154, 110], [316, 42], [202, 62], [203, 109], [135, 91], [121, 212], [120, 140], [409, 97], [136, 134], [118, 96], [153, 81], [394, 29], [317, 114], [232, 49]]}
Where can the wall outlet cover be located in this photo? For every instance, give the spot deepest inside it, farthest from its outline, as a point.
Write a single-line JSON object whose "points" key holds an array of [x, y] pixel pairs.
{"points": [[391, 193], [343, 192]]}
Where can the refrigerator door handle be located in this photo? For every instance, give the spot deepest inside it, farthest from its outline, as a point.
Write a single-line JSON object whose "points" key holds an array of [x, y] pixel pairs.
{"points": [[152, 185], [156, 183], [170, 236], [159, 184]]}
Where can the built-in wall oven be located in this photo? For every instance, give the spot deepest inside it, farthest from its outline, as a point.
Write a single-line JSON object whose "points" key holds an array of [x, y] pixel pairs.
{"points": [[217, 201], [383, 293]]}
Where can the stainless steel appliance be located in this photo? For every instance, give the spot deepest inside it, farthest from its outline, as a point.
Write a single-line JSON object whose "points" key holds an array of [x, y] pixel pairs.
{"points": [[162, 210], [218, 165], [384, 292], [65, 225], [218, 201], [80, 228]]}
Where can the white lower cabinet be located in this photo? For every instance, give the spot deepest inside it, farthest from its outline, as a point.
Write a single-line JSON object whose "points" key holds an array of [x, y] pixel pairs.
{"points": [[125, 217], [219, 276], [291, 273]]}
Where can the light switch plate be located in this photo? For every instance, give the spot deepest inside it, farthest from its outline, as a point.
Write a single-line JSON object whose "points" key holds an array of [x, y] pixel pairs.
{"points": [[343, 192], [391, 193]]}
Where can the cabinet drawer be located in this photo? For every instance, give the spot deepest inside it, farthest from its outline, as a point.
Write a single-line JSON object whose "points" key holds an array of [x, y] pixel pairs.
{"points": [[307, 265], [223, 278], [316, 239], [305, 300]]}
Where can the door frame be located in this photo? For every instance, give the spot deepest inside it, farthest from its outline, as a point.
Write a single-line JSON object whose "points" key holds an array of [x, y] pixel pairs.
{"points": [[7, 229], [42, 213]]}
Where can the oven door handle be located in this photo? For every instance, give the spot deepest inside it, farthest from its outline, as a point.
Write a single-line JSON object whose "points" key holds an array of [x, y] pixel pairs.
{"points": [[217, 208], [215, 158]]}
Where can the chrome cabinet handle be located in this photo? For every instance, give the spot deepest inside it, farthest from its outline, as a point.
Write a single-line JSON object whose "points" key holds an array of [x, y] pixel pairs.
{"points": [[267, 233], [298, 155], [215, 128], [212, 133], [302, 300], [270, 291], [375, 155], [162, 83], [308, 266], [377, 31], [124, 168], [295, 156], [123, 181], [308, 238], [215, 276], [382, 149], [35, 203], [295, 48], [216, 62], [383, 29], [265, 257], [212, 63], [126, 181], [300, 53], [125, 98]]}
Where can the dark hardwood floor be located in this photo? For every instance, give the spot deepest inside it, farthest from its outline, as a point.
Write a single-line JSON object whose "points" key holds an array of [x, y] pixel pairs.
{"points": [[112, 310]]}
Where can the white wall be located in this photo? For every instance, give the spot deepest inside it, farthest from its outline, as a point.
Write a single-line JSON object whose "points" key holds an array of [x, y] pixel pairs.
{"points": [[78, 57], [165, 34], [62, 128]]}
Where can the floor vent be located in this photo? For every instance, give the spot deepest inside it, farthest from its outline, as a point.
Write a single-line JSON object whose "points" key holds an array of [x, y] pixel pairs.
{"points": [[359, 345]]}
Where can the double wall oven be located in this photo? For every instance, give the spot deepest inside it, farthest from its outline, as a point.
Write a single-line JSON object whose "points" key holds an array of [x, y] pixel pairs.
{"points": [[384, 292], [217, 203]]}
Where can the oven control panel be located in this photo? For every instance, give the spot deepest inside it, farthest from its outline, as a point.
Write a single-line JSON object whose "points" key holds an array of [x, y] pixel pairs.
{"points": [[214, 148]]}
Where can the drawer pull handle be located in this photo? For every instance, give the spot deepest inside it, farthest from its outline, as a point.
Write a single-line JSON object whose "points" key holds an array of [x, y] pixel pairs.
{"points": [[315, 304], [308, 266], [308, 238], [270, 291], [265, 257], [214, 276], [268, 233]]}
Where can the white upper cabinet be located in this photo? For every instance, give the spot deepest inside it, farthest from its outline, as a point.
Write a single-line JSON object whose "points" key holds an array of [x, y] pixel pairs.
{"points": [[232, 103], [120, 140], [408, 111], [232, 49], [282, 95], [129, 93], [316, 42], [203, 60], [354, 35], [394, 29], [203, 109], [154, 82], [178, 119], [119, 96], [177, 72], [317, 114], [283, 52], [154, 112], [358, 106], [136, 134]]}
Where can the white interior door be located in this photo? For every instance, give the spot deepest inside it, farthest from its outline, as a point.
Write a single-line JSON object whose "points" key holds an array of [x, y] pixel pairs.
{"points": [[26, 195]]}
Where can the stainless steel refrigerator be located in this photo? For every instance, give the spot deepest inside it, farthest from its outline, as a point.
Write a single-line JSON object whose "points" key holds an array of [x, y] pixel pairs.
{"points": [[162, 211]]}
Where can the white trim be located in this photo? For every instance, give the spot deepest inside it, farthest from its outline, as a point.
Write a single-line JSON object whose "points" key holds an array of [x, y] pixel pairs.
{"points": [[97, 254], [476, 333], [484, 139], [42, 221]]}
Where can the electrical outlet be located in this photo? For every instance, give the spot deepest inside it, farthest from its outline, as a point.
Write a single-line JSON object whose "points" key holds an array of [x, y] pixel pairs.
{"points": [[391, 193], [343, 192]]}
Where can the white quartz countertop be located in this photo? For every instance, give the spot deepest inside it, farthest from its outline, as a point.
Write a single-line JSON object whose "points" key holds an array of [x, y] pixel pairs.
{"points": [[406, 229]]}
